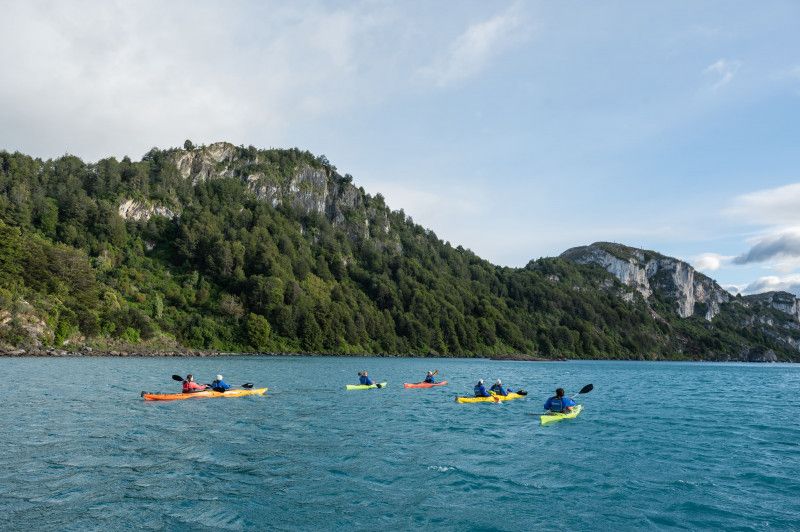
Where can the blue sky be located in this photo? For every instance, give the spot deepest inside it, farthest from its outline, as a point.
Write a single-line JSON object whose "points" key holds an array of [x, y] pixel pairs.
{"points": [[516, 129]]}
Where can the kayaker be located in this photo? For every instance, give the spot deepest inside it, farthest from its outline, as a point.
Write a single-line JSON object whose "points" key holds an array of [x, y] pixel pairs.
{"points": [[559, 403], [189, 386], [219, 385], [480, 390], [497, 388], [364, 379], [429, 378]]}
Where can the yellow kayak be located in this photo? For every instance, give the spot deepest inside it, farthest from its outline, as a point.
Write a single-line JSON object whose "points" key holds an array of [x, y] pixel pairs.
{"points": [[552, 417], [493, 399], [207, 394]]}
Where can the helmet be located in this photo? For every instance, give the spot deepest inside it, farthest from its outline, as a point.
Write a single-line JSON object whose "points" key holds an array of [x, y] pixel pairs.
{"points": [[498, 382], [219, 377], [430, 373], [480, 381]]}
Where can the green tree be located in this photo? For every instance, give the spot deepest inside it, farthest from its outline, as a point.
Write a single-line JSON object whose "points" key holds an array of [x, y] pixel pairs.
{"points": [[258, 332]]}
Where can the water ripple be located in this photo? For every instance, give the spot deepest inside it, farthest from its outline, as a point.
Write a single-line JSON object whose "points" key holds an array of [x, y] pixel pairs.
{"points": [[698, 451]]}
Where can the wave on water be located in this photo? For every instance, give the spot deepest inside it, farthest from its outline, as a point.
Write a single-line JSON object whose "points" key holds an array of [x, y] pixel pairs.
{"points": [[87, 458]]}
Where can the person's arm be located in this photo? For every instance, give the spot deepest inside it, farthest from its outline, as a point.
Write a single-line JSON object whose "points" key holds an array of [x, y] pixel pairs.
{"points": [[548, 404]]}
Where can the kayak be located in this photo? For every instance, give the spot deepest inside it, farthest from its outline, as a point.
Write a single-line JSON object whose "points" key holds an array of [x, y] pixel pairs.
{"points": [[365, 386], [558, 416], [493, 399], [423, 384], [208, 394]]}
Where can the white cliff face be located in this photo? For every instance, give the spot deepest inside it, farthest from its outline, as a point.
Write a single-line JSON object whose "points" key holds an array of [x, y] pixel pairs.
{"points": [[204, 163], [138, 211], [309, 190], [646, 273], [782, 301]]}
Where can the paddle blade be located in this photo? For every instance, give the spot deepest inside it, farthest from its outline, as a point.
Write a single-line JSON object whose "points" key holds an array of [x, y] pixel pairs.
{"points": [[177, 378], [586, 389], [247, 385]]}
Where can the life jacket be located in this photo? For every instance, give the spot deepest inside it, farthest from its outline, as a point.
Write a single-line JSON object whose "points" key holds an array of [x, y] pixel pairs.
{"points": [[191, 387], [498, 389], [556, 404], [219, 386]]}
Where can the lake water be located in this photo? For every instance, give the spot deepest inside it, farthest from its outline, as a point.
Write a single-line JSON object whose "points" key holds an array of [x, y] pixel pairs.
{"points": [[658, 445]]}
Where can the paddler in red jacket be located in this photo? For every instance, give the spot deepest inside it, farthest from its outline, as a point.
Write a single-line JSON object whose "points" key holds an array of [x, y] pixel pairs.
{"points": [[189, 386]]}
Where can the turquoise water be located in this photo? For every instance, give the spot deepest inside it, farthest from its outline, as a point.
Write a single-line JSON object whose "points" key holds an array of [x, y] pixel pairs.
{"points": [[709, 446]]}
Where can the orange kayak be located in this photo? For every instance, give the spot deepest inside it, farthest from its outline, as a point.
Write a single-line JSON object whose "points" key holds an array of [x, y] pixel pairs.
{"points": [[208, 394], [423, 384]]}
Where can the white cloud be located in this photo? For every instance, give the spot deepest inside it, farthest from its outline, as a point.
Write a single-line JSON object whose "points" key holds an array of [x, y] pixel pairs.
{"points": [[473, 50], [771, 283], [784, 243], [733, 288], [722, 72], [709, 262], [773, 206], [101, 78]]}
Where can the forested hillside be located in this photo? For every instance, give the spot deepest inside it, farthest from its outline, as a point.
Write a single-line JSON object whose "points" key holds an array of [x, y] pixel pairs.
{"points": [[240, 249]]}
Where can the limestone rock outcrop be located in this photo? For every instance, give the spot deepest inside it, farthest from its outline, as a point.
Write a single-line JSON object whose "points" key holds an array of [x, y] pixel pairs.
{"points": [[651, 273]]}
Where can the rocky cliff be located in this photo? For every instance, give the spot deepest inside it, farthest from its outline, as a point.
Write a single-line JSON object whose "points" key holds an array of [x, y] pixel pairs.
{"points": [[309, 189], [784, 302], [667, 282], [654, 275]]}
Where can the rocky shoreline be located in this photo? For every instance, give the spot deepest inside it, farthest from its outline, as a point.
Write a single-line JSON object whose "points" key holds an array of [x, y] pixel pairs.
{"points": [[763, 356], [149, 352]]}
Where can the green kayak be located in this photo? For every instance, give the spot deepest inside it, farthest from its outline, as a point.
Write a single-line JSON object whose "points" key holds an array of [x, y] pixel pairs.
{"points": [[365, 386], [552, 417]]}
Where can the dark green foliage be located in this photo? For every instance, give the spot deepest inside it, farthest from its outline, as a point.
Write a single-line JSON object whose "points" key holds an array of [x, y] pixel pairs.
{"points": [[232, 272]]}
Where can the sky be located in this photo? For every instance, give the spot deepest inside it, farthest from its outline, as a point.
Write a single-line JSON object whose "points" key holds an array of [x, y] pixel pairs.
{"points": [[516, 129]]}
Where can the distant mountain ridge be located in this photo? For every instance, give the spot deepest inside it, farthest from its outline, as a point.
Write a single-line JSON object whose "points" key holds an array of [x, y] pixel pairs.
{"points": [[235, 248], [649, 272]]}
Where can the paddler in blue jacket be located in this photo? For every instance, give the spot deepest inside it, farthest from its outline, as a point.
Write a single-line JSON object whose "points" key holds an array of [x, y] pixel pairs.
{"points": [[219, 385], [364, 379], [559, 403], [429, 378], [497, 388], [480, 390]]}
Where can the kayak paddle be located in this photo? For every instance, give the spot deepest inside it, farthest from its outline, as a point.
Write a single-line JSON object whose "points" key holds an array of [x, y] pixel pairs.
{"points": [[586, 389]]}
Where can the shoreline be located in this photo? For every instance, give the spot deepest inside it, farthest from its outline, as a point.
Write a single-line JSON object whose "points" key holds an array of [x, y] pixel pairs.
{"points": [[88, 352]]}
